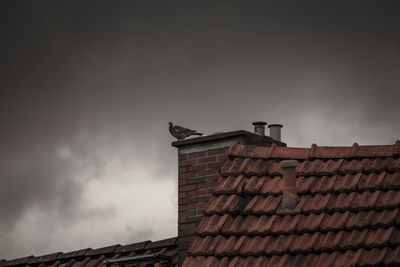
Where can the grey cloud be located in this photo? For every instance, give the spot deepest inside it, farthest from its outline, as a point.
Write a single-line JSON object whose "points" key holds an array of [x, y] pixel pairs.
{"points": [[104, 79]]}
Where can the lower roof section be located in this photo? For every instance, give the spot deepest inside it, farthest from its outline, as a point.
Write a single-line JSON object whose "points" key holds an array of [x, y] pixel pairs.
{"points": [[97, 257]]}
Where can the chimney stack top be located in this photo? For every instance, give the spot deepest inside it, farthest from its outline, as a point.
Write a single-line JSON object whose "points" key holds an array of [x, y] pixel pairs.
{"points": [[275, 131], [259, 127]]}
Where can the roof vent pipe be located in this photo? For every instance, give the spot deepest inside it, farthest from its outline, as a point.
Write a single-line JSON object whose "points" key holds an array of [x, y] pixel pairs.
{"points": [[275, 131], [259, 127], [289, 190]]}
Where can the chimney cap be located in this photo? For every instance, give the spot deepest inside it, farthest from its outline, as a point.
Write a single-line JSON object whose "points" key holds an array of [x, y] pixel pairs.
{"points": [[275, 125], [259, 123], [289, 163]]}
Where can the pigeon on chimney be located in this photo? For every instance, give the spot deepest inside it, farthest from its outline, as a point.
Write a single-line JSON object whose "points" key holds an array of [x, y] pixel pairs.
{"points": [[180, 132]]}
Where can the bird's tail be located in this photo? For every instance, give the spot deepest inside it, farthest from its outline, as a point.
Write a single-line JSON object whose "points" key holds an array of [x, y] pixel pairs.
{"points": [[199, 134]]}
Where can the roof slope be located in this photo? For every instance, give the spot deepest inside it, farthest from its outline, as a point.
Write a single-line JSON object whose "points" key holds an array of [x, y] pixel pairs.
{"points": [[348, 213], [96, 257]]}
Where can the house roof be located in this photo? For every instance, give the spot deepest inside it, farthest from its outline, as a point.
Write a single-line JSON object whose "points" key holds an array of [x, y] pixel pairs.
{"points": [[348, 212], [96, 257]]}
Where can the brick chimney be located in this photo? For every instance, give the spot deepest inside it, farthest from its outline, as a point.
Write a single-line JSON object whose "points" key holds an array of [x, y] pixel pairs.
{"points": [[200, 160]]}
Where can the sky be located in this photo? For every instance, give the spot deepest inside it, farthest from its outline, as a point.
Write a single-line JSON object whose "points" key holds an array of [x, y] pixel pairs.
{"points": [[87, 89]]}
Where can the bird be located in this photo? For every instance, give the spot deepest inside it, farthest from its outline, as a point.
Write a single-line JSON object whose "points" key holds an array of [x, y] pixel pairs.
{"points": [[181, 133]]}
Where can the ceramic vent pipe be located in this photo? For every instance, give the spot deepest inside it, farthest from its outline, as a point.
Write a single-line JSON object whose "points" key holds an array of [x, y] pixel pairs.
{"points": [[289, 189], [275, 131], [259, 127]]}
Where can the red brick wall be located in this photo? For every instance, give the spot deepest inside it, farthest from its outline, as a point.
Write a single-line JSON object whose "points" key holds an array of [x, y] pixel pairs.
{"points": [[197, 176]]}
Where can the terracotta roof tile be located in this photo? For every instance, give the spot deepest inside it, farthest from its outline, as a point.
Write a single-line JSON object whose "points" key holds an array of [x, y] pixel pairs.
{"points": [[204, 245], [353, 239], [340, 201], [326, 258], [191, 261], [360, 219], [212, 224], [213, 261], [262, 205], [223, 262], [346, 183], [334, 221], [303, 185], [278, 260], [395, 237], [253, 246], [256, 167], [389, 199], [261, 225], [253, 185], [232, 225], [101, 251], [279, 243], [316, 203], [44, 258], [371, 181], [393, 255], [304, 242], [376, 165], [365, 200], [234, 262], [272, 185], [319, 167], [231, 167], [217, 204], [349, 208], [295, 260], [228, 185], [274, 168], [258, 261], [385, 217], [19, 261], [248, 221], [132, 247], [348, 258], [351, 166], [372, 256], [285, 224], [394, 165], [322, 184], [310, 222], [328, 241], [161, 243], [391, 181], [243, 165], [229, 246], [248, 261], [378, 236]]}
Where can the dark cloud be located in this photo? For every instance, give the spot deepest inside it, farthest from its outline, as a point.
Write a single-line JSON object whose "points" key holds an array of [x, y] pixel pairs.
{"points": [[85, 84]]}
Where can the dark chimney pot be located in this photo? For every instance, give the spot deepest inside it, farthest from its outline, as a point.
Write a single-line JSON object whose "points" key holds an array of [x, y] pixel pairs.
{"points": [[259, 127]]}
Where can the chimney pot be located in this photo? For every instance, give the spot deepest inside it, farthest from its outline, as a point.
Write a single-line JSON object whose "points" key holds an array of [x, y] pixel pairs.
{"points": [[275, 131], [259, 127], [289, 179]]}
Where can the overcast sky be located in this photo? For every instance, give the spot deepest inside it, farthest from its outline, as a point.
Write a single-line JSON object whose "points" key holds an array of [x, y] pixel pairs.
{"points": [[88, 88]]}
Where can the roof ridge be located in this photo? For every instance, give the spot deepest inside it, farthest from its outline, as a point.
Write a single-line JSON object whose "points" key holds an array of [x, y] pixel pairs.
{"points": [[315, 151]]}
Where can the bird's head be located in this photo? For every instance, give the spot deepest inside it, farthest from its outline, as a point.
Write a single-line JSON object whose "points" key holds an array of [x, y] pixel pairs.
{"points": [[170, 123]]}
